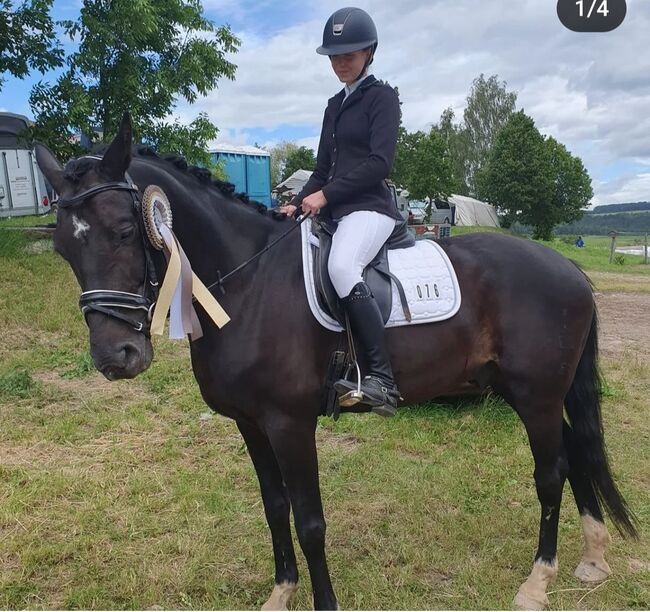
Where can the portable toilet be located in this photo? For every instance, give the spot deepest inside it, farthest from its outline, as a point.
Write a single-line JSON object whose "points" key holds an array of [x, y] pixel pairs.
{"points": [[22, 186], [248, 168]]}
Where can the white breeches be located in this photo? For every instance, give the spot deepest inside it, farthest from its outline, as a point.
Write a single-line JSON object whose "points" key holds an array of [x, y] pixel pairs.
{"points": [[357, 240]]}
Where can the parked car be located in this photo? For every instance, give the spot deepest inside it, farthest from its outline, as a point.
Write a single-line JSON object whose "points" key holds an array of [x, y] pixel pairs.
{"points": [[441, 212]]}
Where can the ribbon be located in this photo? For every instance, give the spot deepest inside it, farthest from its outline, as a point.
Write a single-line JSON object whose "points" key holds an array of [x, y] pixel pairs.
{"points": [[175, 295]]}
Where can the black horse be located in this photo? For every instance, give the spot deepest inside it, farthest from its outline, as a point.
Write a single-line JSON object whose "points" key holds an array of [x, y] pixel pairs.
{"points": [[527, 328]]}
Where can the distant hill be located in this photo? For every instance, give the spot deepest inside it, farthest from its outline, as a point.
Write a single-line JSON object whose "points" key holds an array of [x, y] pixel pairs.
{"points": [[600, 224], [616, 208]]}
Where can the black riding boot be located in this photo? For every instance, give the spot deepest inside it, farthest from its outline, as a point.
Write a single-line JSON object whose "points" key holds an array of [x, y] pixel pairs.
{"points": [[378, 387]]}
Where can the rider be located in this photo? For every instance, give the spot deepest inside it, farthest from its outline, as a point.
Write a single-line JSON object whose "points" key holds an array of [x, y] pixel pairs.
{"points": [[355, 156]]}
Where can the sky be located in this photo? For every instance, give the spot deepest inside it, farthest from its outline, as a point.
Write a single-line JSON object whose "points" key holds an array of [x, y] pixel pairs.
{"points": [[590, 91]]}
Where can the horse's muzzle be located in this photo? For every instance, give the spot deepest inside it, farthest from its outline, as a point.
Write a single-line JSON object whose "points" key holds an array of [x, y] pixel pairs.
{"points": [[125, 360]]}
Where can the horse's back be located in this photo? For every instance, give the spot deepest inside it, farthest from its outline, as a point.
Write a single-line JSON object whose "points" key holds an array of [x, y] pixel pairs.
{"points": [[509, 263]]}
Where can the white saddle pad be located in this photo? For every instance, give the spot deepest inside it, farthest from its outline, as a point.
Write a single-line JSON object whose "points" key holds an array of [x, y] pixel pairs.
{"points": [[428, 278]]}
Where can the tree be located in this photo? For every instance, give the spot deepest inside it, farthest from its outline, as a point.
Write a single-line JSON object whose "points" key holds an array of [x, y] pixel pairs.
{"points": [[573, 189], [422, 165], [455, 138], [27, 38], [189, 141], [300, 158], [533, 180], [279, 154], [518, 178], [489, 106], [136, 55]]}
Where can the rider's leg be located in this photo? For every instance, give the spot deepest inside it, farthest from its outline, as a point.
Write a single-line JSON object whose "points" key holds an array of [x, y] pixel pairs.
{"points": [[357, 240]]}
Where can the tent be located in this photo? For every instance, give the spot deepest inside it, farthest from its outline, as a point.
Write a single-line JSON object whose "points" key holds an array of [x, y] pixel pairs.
{"points": [[294, 183], [470, 211]]}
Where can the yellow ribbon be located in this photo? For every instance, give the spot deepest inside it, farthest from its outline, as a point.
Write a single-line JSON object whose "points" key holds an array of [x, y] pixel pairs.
{"points": [[175, 254]]}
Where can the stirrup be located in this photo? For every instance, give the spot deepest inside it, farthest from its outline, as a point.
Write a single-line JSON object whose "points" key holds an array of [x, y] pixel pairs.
{"points": [[351, 394]]}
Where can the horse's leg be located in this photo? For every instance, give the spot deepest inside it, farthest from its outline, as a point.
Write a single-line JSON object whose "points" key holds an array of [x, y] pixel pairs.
{"points": [[294, 445], [592, 567], [276, 508], [543, 422]]}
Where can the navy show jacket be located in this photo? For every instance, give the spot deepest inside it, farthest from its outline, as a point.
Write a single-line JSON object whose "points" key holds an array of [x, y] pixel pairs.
{"points": [[356, 151]]}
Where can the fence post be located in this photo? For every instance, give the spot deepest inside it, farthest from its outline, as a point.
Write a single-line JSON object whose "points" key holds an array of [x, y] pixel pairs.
{"points": [[645, 251], [611, 250]]}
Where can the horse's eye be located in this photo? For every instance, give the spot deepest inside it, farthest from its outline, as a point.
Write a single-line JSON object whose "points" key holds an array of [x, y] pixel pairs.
{"points": [[126, 232]]}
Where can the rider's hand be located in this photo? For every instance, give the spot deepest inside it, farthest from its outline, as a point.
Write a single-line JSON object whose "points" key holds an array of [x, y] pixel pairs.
{"points": [[287, 209], [314, 202]]}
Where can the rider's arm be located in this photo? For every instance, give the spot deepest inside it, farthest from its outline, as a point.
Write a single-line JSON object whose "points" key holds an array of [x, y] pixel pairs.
{"points": [[384, 116]]}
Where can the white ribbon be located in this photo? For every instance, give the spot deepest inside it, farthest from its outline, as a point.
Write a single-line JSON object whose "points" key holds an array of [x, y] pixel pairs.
{"points": [[175, 295]]}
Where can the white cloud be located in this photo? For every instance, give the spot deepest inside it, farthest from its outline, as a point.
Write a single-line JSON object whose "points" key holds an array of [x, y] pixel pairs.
{"points": [[589, 91], [632, 188]]}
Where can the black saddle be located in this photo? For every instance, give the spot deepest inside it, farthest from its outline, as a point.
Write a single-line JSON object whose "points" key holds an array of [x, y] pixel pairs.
{"points": [[376, 275]]}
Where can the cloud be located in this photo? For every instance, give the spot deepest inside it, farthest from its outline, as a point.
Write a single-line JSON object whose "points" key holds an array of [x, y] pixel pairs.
{"points": [[630, 188], [589, 91]]}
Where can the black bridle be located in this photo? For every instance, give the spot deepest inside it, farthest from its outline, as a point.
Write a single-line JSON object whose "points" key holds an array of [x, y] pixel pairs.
{"points": [[108, 301]]}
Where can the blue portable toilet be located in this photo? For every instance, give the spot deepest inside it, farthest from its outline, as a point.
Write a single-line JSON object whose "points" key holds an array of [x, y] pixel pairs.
{"points": [[248, 168]]}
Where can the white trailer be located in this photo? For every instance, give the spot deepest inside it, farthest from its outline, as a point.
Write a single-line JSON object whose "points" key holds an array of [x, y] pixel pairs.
{"points": [[22, 186]]}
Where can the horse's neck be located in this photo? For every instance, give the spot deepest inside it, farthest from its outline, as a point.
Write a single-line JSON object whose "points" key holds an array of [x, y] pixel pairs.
{"points": [[216, 233]]}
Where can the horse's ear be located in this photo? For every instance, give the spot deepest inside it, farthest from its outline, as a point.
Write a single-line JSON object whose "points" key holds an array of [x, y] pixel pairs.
{"points": [[49, 166], [118, 155]]}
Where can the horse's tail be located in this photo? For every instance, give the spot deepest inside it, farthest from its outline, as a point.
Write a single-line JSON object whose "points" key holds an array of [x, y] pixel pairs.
{"points": [[588, 452]]}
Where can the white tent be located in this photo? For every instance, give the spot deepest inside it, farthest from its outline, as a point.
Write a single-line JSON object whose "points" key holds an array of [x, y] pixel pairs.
{"points": [[470, 211], [294, 183]]}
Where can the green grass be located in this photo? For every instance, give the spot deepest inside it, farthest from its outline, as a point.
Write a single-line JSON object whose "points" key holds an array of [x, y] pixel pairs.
{"points": [[122, 496]]}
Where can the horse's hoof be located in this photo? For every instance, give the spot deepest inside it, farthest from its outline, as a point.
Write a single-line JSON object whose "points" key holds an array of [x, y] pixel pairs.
{"points": [[529, 600], [280, 597], [590, 571]]}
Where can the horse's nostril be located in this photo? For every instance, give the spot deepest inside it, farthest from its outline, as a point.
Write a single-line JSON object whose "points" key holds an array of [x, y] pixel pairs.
{"points": [[131, 353]]}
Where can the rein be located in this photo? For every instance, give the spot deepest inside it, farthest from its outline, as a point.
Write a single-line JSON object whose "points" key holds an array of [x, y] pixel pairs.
{"points": [[220, 280]]}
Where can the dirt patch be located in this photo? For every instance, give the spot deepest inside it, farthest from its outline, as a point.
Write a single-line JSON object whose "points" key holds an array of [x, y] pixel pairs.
{"points": [[342, 443], [15, 338], [624, 324], [94, 386]]}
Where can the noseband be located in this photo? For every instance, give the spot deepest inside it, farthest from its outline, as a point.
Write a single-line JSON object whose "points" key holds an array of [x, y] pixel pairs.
{"points": [[108, 301]]}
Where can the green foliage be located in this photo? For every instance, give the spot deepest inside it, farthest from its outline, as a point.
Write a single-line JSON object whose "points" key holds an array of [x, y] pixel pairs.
{"points": [[572, 184], [12, 242], [83, 366], [619, 259], [533, 181], [135, 55], [27, 38], [422, 165], [297, 159], [455, 138], [518, 178], [489, 107], [279, 154], [191, 141], [17, 383], [602, 224], [624, 207]]}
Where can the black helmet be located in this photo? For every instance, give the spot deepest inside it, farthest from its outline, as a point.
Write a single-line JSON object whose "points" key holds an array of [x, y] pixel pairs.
{"points": [[348, 29]]}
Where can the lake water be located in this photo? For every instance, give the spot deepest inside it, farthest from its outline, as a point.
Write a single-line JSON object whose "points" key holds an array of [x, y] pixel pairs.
{"points": [[632, 250]]}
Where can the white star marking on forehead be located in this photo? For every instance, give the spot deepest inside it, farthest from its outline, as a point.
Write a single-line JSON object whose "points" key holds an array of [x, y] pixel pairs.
{"points": [[80, 227]]}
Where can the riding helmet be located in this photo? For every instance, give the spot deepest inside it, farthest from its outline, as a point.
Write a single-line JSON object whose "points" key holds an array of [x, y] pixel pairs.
{"points": [[348, 29]]}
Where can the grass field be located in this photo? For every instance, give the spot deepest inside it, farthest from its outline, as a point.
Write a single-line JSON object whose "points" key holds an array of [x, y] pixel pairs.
{"points": [[130, 495]]}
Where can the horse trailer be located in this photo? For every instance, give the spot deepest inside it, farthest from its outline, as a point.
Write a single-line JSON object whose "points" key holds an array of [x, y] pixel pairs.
{"points": [[22, 186]]}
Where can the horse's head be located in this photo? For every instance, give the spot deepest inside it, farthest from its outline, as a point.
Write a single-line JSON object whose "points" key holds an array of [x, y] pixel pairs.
{"points": [[99, 233]]}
